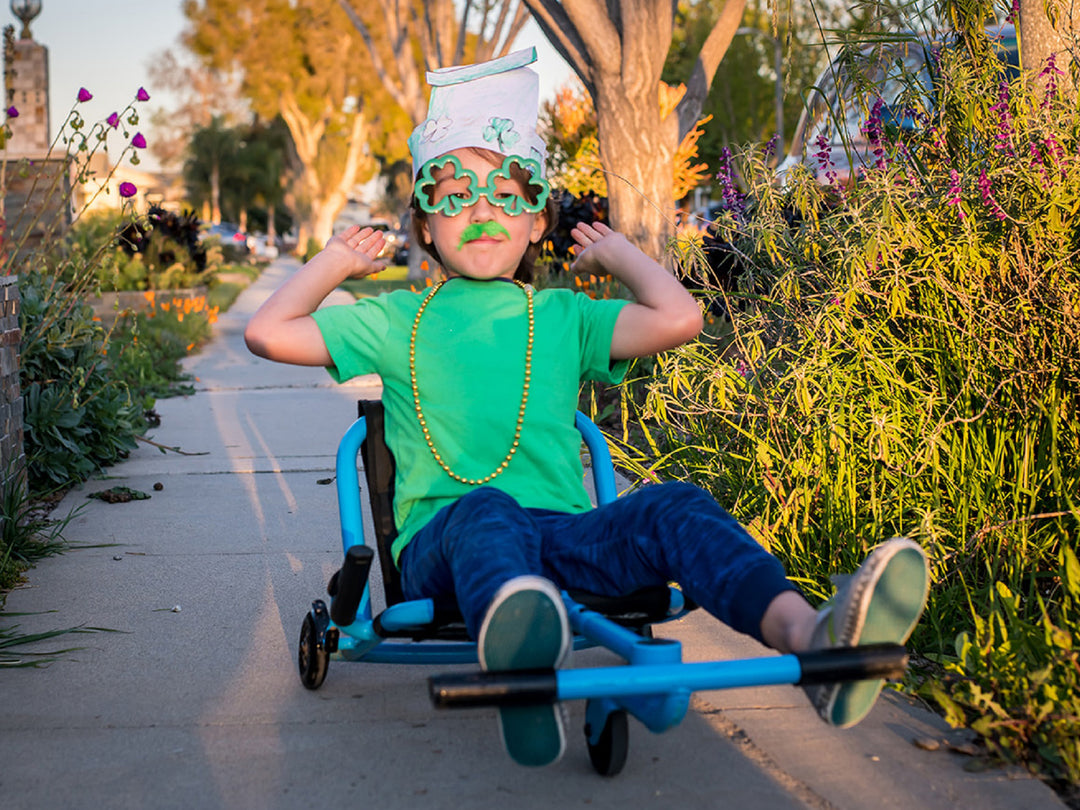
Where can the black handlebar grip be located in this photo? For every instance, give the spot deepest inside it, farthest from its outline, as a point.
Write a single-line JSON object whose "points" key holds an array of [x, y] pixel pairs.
{"points": [[349, 585]]}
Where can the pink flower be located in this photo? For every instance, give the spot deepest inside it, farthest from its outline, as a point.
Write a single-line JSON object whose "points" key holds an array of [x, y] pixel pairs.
{"points": [[12, 112], [127, 189], [84, 94], [113, 120], [139, 142], [142, 95]]}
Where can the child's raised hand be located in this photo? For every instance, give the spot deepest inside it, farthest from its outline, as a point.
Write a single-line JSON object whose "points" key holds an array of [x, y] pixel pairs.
{"points": [[594, 243], [358, 247]]}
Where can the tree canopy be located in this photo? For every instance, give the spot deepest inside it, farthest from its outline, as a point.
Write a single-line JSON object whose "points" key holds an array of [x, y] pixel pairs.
{"points": [[302, 60]]}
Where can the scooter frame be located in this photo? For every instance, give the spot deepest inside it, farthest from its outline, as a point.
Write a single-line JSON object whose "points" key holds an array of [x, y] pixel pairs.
{"points": [[654, 685]]}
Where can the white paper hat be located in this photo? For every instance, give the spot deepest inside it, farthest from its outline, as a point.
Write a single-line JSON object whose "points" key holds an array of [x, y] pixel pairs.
{"points": [[492, 105]]}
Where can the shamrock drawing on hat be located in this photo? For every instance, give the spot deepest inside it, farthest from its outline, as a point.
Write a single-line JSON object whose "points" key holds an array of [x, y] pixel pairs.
{"points": [[435, 129], [502, 131]]}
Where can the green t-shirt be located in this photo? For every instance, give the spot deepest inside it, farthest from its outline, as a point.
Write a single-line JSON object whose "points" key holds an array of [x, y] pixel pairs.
{"points": [[470, 366]]}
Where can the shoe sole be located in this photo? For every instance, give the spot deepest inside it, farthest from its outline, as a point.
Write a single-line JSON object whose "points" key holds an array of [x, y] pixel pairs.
{"points": [[527, 629], [898, 595]]}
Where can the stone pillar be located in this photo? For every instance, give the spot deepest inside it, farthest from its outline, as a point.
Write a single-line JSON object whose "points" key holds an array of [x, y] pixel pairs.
{"points": [[36, 184], [28, 91]]}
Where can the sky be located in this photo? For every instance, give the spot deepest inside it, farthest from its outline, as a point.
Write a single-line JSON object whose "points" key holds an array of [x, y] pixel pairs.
{"points": [[107, 47]]}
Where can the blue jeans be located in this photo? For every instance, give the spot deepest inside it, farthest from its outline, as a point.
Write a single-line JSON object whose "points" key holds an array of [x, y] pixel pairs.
{"points": [[656, 535]]}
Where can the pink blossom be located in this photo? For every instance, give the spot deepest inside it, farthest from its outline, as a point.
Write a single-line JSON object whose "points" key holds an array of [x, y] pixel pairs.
{"points": [[12, 112], [954, 191], [986, 190], [84, 94], [139, 142], [113, 120], [142, 95], [127, 189]]}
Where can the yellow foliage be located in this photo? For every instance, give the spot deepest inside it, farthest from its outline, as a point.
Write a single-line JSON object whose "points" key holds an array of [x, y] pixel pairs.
{"points": [[670, 96], [687, 174]]}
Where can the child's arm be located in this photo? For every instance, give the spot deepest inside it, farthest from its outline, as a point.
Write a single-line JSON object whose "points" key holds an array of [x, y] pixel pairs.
{"points": [[282, 328], [663, 314]]}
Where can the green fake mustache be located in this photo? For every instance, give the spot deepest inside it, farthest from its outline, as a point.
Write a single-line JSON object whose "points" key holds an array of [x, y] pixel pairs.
{"points": [[477, 230]]}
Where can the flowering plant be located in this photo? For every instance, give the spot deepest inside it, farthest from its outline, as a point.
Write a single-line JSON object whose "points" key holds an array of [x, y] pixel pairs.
{"points": [[78, 414], [905, 359]]}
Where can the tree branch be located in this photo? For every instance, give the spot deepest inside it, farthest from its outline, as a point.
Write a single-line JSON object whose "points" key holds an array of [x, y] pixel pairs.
{"points": [[562, 35], [712, 51], [601, 39]]}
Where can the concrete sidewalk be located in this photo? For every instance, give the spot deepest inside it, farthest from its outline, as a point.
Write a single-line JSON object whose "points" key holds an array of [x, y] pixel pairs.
{"points": [[194, 701]]}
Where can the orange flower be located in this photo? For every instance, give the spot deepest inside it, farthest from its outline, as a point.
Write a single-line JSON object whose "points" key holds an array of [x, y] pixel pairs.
{"points": [[149, 296], [180, 317]]}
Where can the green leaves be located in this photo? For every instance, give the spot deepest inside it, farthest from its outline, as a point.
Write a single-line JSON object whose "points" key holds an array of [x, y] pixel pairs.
{"points": [[890, 367]]}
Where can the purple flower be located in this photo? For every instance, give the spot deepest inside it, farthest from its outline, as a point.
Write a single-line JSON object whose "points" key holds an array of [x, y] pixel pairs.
{"points": [[12, 112], [954, 192], [1055, 150], [127, 189], [113, 120], [84, 94], [142, 95], [1003, 136], [1050, 73], [873, 129], [733, 198], [985, 189], [770, 147], [824, 159], [139, 142], [1014, 12], [1037, 160]]}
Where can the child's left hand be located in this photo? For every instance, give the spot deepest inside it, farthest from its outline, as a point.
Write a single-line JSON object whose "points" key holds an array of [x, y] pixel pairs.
{"points": [[596, 243]]}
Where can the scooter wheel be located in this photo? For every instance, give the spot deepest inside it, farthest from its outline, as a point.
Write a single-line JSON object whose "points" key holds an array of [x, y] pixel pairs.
{"points": [[608, 755], [313, 659]]}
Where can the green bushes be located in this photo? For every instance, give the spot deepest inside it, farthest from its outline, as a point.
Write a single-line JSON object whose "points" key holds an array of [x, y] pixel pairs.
{"points": [[78, 416], [158, 251], [905, 359]]}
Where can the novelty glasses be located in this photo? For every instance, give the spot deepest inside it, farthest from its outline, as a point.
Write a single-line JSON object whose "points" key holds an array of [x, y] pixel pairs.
{"points": [[451, 194]]}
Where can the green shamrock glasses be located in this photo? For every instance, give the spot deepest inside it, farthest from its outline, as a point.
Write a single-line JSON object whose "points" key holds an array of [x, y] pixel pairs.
{"points": [[450, 195]]}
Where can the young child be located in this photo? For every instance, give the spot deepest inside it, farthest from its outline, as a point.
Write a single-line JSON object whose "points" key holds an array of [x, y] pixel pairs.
{"points": [[480, 383]]}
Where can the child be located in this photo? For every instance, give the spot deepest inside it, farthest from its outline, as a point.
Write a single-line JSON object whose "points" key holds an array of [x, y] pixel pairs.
{"points": [[480, 384]]}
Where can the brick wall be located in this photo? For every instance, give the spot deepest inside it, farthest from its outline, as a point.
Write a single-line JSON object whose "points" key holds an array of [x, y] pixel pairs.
{"points": [[12, 456]]}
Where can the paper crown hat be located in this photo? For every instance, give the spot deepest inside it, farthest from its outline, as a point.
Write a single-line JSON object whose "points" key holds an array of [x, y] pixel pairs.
{"points": [[492, 105]]}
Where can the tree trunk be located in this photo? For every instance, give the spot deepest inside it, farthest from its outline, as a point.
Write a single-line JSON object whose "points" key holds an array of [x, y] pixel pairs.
{"points": [[324, 212], [642, 147], [1040, 37], [215, 195]]}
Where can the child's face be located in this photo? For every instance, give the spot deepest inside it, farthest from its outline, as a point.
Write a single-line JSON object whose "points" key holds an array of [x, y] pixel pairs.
{"points": [[482, 241]]}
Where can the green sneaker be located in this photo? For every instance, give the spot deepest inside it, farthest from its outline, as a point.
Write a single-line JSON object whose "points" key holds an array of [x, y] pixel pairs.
{"points": [[880, 603], [526, 628]]}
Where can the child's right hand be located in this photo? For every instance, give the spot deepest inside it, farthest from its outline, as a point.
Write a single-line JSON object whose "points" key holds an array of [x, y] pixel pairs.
{"points": [[357, 248]]}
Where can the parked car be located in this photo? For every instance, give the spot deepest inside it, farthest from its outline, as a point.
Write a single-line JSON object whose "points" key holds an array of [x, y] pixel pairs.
{"points": [[232, 240], [839, 106]]}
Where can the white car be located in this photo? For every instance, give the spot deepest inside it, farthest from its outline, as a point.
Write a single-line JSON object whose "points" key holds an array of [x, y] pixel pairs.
{"points": [[831, 136]]}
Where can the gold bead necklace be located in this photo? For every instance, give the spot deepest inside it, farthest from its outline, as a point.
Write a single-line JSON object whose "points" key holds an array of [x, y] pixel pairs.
{"points": [[527, 289]]}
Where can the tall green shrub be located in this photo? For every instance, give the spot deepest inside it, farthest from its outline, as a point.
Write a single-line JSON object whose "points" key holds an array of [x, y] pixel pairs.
{"points": [[905, 359]]}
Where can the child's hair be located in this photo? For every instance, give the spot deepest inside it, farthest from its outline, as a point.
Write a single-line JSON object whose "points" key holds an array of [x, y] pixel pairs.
{"points": [[524, 270]]}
